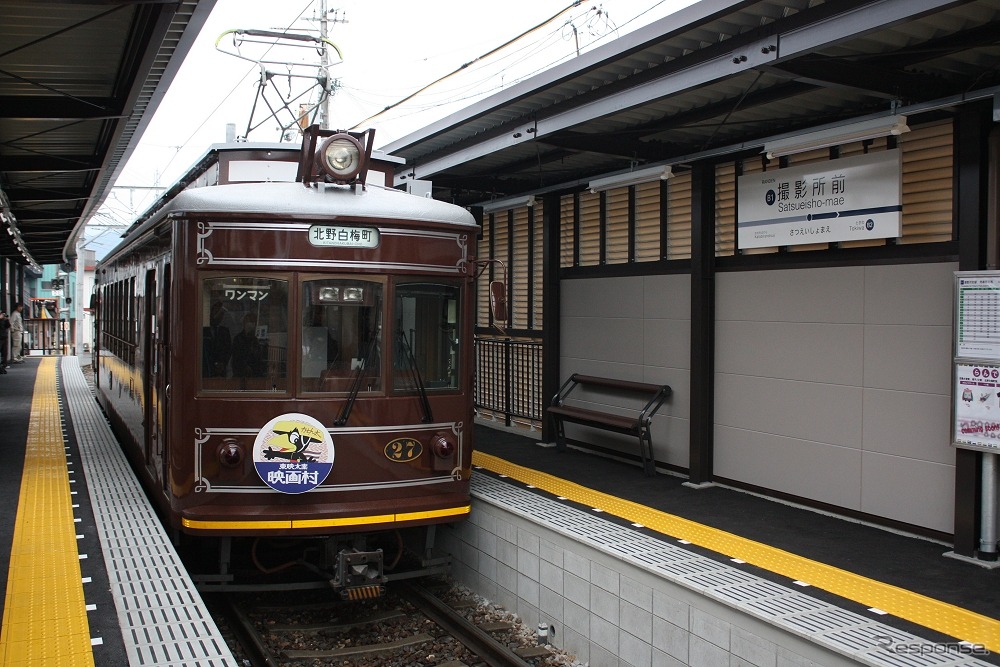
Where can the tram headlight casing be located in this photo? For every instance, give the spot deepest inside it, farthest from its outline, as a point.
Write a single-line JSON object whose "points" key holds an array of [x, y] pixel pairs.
{"points": [[339, 157]]}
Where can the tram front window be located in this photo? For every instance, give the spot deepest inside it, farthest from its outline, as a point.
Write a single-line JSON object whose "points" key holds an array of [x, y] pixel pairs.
{"points": [[341, 327], [426, 344], [244, 334]]}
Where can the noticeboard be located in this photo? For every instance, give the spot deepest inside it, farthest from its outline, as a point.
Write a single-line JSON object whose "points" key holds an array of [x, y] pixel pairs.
{"points": [[977, 406], [976, 363]]}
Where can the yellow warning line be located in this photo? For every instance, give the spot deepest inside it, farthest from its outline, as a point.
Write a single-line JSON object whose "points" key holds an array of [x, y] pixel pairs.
{"points": [[44, 616], [922, 610]]}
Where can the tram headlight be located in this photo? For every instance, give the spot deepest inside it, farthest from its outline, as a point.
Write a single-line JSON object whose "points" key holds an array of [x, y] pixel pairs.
{"points": [[340, 157], [334, 156], [230, 453]]}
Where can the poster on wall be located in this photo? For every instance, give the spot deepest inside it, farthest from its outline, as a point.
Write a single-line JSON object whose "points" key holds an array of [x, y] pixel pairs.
{"points": [[977, 406], [854, 198], [977, 315]]}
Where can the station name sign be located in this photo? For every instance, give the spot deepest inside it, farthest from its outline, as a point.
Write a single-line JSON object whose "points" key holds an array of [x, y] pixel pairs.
{"points": [[854, 198], [343, 236]]}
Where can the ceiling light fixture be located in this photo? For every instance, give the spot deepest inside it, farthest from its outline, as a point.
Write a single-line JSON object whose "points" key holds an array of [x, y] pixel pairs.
{"points": [[836, 136], [505, 204], [660, 173]]}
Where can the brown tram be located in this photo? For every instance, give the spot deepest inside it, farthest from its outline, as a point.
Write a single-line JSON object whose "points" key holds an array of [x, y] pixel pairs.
{"points": [[284, 348]]}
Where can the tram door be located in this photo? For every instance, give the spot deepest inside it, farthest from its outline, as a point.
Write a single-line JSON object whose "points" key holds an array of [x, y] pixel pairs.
{"points": [[163, 375], [156, 327], [148, 330]]}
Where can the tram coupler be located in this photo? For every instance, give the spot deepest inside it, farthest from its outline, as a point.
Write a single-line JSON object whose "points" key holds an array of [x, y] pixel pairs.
{"points": [[359, 575]]}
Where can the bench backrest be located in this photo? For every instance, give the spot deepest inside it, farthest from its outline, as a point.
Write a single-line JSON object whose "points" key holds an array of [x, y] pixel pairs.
{"points": [[620, 385], [656, 393]]}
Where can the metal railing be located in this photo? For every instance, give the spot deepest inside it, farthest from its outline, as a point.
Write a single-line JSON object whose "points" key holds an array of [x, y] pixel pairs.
{"points": [[509, 379], [44, 336]]}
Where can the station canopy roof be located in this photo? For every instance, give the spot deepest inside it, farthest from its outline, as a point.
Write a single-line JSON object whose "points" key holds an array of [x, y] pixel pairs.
{"points": [[718, 77], [79, 81]]}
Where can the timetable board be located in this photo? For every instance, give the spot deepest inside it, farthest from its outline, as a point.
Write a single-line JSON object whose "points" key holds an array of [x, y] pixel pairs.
{"points": [[977, 315]]}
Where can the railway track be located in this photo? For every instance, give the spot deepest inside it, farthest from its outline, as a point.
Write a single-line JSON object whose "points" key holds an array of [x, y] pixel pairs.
{"points": [[413, 624]]}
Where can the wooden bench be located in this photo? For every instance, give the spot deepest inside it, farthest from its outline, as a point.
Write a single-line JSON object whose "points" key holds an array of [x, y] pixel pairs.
{"points": [[636, 426]]}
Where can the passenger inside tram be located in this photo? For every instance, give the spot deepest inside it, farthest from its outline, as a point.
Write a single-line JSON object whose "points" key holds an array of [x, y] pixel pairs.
{"points": [[249, 355], [217, 343]]}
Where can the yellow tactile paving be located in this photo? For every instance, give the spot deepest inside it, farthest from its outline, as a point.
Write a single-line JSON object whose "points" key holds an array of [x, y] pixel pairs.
{"points": [[922, 610], [44, 616]]}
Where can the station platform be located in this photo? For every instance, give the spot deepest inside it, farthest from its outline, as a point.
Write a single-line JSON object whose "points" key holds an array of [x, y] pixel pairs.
{"points": [[884, 581], [90, 576], [92, 579]]}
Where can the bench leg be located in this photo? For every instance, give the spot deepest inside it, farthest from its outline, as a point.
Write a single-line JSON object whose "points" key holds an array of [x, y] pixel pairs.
{"points": [[646, 450], [560, 434]]}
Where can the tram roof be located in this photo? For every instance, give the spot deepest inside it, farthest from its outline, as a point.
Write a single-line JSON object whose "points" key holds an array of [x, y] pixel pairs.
{"points": [[718, 77], [295, 202], [81, 82], [295, 199], [203, 190]]}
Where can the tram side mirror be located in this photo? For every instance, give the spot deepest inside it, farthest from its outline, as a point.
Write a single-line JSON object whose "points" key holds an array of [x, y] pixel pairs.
{"points": [[498, 301]]}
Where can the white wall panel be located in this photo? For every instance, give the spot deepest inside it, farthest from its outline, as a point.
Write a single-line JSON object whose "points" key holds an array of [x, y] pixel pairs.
{"points": [[805, 468], [604, 298], [908, 490], [824, 413], [908, 424], [667, 297], [918, 294], [602, 338], [666, 343], [796, 295], [810, 351], [908, 358]]}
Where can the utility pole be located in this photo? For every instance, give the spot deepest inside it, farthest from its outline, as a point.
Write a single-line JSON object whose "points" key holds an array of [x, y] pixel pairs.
{"points": [[324, 59]]}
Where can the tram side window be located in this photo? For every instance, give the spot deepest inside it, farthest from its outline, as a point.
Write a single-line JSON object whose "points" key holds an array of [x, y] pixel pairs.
{"points": [[340, 335], [244, 334], [426, 342]]}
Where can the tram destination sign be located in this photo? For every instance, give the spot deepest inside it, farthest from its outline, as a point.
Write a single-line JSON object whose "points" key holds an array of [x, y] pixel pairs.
{"points": [[343, 236], [850, 199]]}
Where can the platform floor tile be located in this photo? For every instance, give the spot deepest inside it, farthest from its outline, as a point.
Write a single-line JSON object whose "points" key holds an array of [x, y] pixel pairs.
{"points": [[45, 615], [163, 618]]}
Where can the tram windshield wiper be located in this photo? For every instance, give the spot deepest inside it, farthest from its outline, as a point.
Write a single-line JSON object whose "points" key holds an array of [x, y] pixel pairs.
{"points": [[415, 375], [359, 374]]}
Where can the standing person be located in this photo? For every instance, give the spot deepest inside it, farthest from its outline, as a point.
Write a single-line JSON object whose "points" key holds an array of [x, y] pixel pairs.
{"points": [[249, 356], [216, 343], [17, 334], [4, 336]]}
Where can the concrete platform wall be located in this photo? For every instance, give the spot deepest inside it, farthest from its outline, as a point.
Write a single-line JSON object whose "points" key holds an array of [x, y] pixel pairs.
{"points": [[607, 611]]}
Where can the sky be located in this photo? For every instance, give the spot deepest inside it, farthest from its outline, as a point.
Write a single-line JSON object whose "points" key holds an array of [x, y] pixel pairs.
{"points": [[391, 49]]}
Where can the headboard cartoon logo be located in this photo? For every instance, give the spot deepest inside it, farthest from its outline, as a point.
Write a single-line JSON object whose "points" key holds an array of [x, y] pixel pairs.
{"points": [[293, 453]]}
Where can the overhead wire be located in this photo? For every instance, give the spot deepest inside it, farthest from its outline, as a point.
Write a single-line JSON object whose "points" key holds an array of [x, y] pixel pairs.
{"points": [[474, 88], [489, 53], [532, 49]]}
